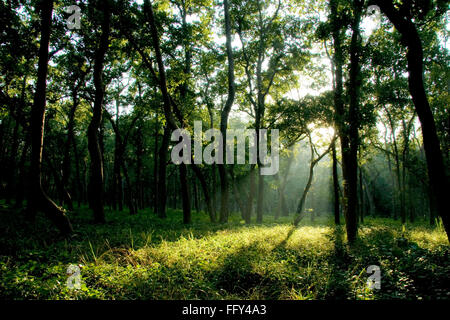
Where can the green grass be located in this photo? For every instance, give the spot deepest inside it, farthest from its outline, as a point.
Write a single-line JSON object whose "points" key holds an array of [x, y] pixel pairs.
{"points": [[143, 257]]}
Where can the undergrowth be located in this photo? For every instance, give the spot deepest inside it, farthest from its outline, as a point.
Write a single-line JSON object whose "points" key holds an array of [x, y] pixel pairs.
{"points": [[143, 257]]}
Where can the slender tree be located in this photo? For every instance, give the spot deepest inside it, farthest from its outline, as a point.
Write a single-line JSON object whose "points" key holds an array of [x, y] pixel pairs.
{"points": [[224, 115], [38, 199], [96, 175]]}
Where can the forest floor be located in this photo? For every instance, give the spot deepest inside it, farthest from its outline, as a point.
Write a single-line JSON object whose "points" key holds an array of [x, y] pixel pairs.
{"points": [[143, 257]]}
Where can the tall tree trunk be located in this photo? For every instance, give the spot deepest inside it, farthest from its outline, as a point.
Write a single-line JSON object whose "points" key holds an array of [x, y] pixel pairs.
{"points": [[212, 205], [70, 140], [118, 160], [162, 185], [391, 174], [195, 191], [96, 176], [252, 182], [167, 106], [312, 164], [139, 156], [336, 203], [38, 200], [432, 205], [282, 207], [259, 202], [399, 191], [351, 156], [258, 124], [185, 194], [237, 195], [206, 194], [371, 202], [61, 190], [213, 187], [280, 196], [224, 116], [15, 145], [301, 204], [117, 181], [4, 139], [129, 193], [361, 205], [155, 167], [79, 185], [348, 165], [20, 194]]}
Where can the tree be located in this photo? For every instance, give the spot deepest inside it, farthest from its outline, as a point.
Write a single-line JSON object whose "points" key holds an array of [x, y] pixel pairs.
{"points": [[38, 200], [271, 49], [225, 114], [347, 121], [96, 177], [336, 202], [315, 158], [402, 18]]}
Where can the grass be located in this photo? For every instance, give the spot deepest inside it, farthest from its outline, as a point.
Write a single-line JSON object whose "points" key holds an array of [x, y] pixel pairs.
{"points": [[143, 257]]}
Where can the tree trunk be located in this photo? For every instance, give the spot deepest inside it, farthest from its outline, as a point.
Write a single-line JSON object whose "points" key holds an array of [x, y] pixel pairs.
{"points": [[347, 135], [96, 176], [162, 187], [70, 140], [371, 202], [399, 191], [155, 167], [351, 155], [79, 185], [20, 194], [11, 174], [259, 202], [139, 156], [301, 204], [185, 194], [206, 194], [129, 193], [61, 190], [336, 204], [237, 195], [282, 207], [224, 116], [361, 197], [249, 209], [195, 191], [117, 181], [170, 121], [391, 174], [38, 200], [312, 164]]}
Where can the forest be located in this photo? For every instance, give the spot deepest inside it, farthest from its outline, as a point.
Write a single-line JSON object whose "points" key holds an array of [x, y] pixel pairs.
{"points": [[224, 149]]}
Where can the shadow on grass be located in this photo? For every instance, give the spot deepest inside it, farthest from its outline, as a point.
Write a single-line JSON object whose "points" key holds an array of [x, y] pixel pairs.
{"points": [[237, 275], [408, 271], [338, 287]]}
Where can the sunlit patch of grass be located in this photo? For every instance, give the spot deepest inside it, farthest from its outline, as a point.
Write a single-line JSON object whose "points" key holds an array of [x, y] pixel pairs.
{"points": [[143, 257], [428, 238]]}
